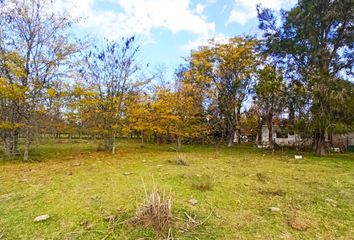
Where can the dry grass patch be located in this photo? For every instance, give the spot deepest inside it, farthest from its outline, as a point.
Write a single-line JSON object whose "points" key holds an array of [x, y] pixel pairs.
{"points": [[298, 223], [181, 160], [155, 211]]}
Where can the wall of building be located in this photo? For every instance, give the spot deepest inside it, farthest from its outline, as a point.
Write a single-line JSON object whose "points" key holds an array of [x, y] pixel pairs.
{"points": [[290, 140]]}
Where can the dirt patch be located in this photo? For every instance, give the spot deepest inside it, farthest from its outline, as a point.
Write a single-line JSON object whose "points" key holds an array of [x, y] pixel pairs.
{"points": [[298, 223]]}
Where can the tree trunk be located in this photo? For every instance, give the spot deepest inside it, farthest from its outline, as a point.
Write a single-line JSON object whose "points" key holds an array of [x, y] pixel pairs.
{"points": [[113, 143], [10, 143], [238, 135], [110, 143], [237, 132], [179, 143], [270, 135], [320, 147], [27, 143], [231, 138], [142, 136], [259, 131]]}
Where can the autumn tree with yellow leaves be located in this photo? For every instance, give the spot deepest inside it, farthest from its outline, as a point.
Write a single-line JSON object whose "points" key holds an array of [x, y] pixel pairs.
{"points": [[224, 72], [108, 73], [35, 52]]}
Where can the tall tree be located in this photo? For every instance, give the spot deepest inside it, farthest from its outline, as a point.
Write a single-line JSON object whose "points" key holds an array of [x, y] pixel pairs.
{"points": [[224, 72], [12, 98], [188, 109], [270, 96], [39, 38], [315, 41], [139, 116], [109, 73]]}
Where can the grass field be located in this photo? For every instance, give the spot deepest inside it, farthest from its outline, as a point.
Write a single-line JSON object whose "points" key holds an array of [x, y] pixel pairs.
{"points": [[79, 187]]}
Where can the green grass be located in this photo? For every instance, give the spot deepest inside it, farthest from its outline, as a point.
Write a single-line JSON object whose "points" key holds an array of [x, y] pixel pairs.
{"points": [[78, 186]]}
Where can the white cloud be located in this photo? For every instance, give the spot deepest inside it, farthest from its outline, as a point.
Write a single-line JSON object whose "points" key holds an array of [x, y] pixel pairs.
{"points": [[245, 10], [212, 1], [138, 17], [199, 8], [199, 42]]}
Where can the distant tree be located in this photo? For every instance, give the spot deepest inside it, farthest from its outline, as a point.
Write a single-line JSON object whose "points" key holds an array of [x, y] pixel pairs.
{"points": [[42, 46], [109, 73], [270, 96], [188, 109], [162, 111], [139, 117], [224, 73], [251, 123]]}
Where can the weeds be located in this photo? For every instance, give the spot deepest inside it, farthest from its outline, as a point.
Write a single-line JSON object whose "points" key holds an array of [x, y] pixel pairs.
{"points": [[155, 211], [181, 160]]}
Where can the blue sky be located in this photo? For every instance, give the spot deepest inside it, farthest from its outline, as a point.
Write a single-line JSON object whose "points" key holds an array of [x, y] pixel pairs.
{"points": [[167, 30]]}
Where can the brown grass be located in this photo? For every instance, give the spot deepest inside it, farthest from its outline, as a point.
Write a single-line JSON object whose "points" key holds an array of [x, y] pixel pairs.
{"points": [[181, 160], [298, 223], [155, 211]]}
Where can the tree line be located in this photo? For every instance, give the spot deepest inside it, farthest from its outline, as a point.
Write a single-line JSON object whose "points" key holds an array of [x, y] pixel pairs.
{"points": [[300, 70]]}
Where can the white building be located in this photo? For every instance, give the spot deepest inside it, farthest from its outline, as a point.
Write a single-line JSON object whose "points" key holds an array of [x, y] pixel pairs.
{"points": [[285, 138], [279, 137]]}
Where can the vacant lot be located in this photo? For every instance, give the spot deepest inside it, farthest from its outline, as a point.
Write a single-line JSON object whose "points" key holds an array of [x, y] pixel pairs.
{"points": [[80, 189]]}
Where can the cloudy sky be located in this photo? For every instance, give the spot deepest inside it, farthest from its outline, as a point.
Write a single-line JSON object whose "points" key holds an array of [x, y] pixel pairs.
{"points": [[167, 29]]}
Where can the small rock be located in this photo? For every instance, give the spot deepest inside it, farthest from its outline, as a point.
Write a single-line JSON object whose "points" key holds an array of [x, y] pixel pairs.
{"points": [[159, 165], [298, 156], [144, 161], [77, 164], [274, 209], [127, 173], [193, 201], [41, 218]]}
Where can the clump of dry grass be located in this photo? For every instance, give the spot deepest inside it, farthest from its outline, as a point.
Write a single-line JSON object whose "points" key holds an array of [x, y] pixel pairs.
{"points": [[181, 160], [192, 223], [155, 211]]}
